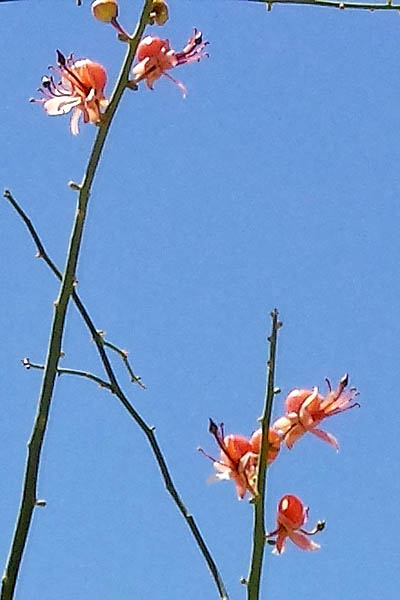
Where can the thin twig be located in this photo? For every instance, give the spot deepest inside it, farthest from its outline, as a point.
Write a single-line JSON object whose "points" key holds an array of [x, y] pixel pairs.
{"points": [[371, 6], [28, 500], [124, 355], [254, 578], [28, 364], [116, 389], [97, 335]]}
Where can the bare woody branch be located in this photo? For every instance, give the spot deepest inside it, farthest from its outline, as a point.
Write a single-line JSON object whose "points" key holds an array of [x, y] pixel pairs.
{"points": [[371, 6], [117, 391]]}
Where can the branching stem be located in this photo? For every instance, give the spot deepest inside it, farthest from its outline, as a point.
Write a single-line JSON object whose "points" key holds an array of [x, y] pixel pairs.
{"points": [[97, 336], [28, 500], [62, 371], [124, 355], [371, 6], [116, 389], [254, 578]]}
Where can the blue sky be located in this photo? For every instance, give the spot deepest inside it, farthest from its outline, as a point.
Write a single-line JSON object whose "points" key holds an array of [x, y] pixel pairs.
{"points": [[275, 183]]}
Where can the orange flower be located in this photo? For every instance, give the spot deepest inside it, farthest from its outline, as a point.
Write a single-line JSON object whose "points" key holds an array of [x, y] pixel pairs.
{"points": [[80, 89], [239, 457], [291, 516], [305, 409], [156, 57], [274, 443]]}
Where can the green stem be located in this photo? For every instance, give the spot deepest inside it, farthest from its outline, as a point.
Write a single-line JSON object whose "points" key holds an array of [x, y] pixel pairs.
{"points": [[77, 372], [372, 6], [254, 578], [115, 388], [28, 500], [42, 253], [124, 356]]}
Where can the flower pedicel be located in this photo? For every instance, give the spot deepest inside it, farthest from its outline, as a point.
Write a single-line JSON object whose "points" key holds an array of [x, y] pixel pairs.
{"points": [[80, 90]]}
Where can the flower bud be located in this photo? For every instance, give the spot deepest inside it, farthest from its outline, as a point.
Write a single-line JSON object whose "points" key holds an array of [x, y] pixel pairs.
{"points": [[105, 10], [159, 12]]}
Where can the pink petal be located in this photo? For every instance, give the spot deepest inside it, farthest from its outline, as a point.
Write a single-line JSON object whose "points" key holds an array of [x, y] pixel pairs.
{"points": [[293, 435], [141, 67], [74, 124], [326, 437], [60, 105], [303, 541], [178, 83], [280, 542], [283, 424]]}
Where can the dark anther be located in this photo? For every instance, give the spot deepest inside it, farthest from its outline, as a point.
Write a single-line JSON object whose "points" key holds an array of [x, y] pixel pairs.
{"points": [[213, 427], [345, 380], [198, 38], [320, 526], [46, 81], [60, 59]]}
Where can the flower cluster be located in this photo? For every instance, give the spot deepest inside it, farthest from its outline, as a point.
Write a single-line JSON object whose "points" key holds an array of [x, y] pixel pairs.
{"points": [[239, 455], [78, 85]]}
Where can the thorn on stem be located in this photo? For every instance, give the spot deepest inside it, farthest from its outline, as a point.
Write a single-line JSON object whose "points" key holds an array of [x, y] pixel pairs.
{"points": [[41, 503], [270, 542], [74, 186], [123, 37]]}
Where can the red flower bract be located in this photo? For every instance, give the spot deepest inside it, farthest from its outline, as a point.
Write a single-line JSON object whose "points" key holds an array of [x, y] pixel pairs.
{"points": [[80, 89]]}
